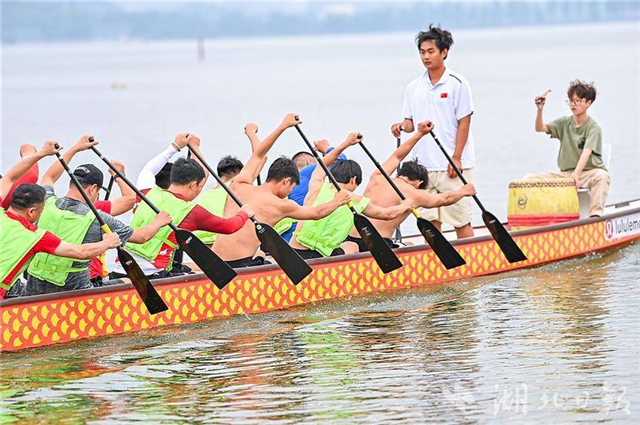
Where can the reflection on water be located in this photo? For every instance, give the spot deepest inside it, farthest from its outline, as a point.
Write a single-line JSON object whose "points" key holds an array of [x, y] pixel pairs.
{"points": [[553, 343]]}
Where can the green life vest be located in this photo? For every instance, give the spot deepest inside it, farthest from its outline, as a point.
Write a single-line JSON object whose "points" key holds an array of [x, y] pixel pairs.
{"points": [[15, 242], [214, 201], [284, 225], [71, 228], [327, 234], [144, 215]]}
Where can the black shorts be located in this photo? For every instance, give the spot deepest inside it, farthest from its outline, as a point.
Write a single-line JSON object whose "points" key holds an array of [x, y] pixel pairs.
{"points": [[308, 254], [248, 262], [159, 275], [363, 248]]}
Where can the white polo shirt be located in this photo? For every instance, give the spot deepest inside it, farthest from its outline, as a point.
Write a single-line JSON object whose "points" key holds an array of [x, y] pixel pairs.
{"points": [[443, 104]]}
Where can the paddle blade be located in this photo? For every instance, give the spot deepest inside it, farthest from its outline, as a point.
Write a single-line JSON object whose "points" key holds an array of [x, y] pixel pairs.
{"points": [[379, 249], [219, 272], [506, 243], [440, 245], [145, 289], [288, 260]]}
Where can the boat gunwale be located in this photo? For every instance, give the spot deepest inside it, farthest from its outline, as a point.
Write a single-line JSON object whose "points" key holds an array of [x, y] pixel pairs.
{"points": [[319, 261]]}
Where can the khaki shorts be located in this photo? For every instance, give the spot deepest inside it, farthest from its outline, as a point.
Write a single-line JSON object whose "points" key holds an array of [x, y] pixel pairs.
{"points": [[457, 215]]}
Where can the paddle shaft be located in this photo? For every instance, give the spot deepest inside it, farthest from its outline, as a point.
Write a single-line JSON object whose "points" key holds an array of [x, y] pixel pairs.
{"points": [[323, 165], [457, 170], [109, 188], [131, 185], [398, 232]]}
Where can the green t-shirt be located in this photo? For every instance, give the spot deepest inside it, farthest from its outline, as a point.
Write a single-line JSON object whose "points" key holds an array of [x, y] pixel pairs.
{"points": [[573, 140]]}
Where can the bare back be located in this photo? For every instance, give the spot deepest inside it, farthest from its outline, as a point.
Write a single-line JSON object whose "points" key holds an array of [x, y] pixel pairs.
{"points": [[268, 209]]}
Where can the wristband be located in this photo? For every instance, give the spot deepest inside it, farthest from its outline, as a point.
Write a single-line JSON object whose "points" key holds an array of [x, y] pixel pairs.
{"points": [[175, 146]]}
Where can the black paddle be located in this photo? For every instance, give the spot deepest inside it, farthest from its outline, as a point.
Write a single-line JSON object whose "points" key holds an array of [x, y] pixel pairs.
{"points": [[145, 289], [289, 260], [440, 245], [398, 231], [109, 188], [219, 272], [504, 240], [379, 249]]}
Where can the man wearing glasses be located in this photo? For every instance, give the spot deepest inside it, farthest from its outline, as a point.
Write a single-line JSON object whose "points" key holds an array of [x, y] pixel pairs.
{"points": [[580, 155], [71, 219]]}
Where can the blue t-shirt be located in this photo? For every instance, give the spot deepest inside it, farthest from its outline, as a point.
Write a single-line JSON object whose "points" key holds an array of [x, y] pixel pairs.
{"points": [[300, 191]]}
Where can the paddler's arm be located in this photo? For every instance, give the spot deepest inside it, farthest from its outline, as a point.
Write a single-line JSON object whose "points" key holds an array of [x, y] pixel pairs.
{"points": [[295, 211], [144, 234], [317, 178], [424, 199], [251, 130], [393, 162], [87, 251], [248, 171], [55, 171], [388, 213], [18, 170], [194, 141], [147, 176], [334, 154]]}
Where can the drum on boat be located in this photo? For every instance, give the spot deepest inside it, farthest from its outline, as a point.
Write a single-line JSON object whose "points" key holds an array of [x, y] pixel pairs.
{"points": [[534, 203]]}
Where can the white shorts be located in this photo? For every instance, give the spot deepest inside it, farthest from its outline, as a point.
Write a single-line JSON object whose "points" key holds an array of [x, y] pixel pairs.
{"points": [[457, 215]]}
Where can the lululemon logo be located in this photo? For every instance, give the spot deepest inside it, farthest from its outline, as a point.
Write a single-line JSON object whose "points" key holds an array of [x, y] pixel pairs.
{"points": [[188, 241], [608, 229]]}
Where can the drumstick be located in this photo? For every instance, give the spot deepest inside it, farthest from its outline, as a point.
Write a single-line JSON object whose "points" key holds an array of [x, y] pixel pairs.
{"points": [[543, 97]]}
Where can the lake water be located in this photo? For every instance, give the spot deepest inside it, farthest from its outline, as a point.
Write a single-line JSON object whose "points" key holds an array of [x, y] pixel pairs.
{"points": [[555, 344]]}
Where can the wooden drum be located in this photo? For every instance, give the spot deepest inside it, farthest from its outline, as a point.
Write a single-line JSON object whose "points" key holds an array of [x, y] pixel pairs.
{"points": [[534, 203]]}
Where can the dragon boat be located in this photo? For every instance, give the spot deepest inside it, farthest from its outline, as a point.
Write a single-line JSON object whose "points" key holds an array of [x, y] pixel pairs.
{"points": [[42, 320]]}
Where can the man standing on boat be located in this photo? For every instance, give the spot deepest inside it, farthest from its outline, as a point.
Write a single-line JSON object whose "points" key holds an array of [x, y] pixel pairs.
{"points": [[443, 97], [580, 154]]}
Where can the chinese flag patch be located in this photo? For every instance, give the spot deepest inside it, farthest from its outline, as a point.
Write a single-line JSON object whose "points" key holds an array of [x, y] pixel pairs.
{"points": [[444, 95]]}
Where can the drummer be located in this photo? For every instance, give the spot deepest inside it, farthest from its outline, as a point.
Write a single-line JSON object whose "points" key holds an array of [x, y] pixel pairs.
{"points": [[580, 153]]}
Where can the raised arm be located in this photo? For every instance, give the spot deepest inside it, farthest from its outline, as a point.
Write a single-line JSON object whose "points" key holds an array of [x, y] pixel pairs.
{"points": [[248, 171], [251, 130], [55, 171], [317, 177], [147, 176], [540, 100], [18, 170], [393, 162]]}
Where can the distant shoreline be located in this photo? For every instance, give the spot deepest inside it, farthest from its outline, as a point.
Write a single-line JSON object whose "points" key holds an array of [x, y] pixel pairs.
{"points": [[320, 37]]}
